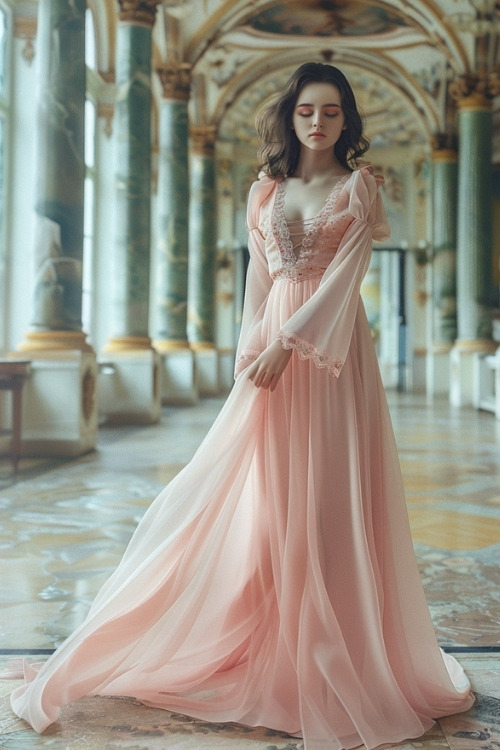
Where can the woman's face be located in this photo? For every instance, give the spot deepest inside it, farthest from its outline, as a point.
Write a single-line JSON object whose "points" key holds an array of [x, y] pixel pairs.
{"points": [[318, 119]]}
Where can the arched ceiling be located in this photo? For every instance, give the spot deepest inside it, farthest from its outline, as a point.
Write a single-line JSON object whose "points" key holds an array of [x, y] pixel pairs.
{"points": [[399, 54]]}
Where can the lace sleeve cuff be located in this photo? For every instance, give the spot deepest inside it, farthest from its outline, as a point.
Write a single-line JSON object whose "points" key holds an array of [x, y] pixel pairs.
{"points": [[305, 350]]}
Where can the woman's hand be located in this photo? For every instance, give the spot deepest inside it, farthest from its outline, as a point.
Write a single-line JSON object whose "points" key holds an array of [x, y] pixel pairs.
{"points": [[269, 366]]}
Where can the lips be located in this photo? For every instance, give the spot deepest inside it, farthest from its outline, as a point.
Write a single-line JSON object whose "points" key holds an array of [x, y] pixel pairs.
{"points": [[317, 134]]}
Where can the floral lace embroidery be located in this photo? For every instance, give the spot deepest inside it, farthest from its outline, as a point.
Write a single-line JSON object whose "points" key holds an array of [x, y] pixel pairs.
{"points": [[305, 350], [298, 273], [281, 231]]}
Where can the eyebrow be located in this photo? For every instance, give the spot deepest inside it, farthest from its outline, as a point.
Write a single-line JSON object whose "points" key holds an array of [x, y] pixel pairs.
{"points": [[306, 104]]}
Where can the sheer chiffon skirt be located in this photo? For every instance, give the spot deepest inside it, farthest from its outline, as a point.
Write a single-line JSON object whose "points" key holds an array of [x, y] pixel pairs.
{"points": [[273, 582]]}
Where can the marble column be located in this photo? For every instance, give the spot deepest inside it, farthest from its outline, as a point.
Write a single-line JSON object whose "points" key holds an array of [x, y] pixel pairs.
{"points": [[171, 264], [474, 242], [60, 172], [130, 268], [172, 249], [444, 268], [130, 388], [59, 404], [202, 257]]}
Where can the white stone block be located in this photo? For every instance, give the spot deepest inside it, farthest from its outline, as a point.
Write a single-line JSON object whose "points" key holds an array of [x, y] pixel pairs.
{"points": [[129, 387], [59, 415], [207, 371], [178, 377]]}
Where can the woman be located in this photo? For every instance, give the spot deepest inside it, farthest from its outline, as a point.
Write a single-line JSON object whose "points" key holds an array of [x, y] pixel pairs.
{"points": [[273, 582]]}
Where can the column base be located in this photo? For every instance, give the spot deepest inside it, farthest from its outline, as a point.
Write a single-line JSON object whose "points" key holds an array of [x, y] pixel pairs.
{"points": [[486, 382], [206, 360], [178, 373], [129, 386], [462, 369], [128, 344], [437, 371], [59, 415], [415, 376], [49, 341]]}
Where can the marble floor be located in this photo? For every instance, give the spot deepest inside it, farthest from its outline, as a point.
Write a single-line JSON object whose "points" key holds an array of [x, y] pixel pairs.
{"points": [[65, 523]]}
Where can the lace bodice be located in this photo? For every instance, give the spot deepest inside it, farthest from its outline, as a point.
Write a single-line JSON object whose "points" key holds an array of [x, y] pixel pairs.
{"points": [[320, 237]]}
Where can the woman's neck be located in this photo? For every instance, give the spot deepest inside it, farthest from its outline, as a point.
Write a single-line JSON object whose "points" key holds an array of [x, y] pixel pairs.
{"points": [[318, 166]]}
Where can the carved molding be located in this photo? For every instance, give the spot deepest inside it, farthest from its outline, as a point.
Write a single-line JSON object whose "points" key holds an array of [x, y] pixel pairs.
{"points": [[475, 91], [175, 79], [25, 28], [106, 111], [203, 137], [445, 144], [141, 12]]}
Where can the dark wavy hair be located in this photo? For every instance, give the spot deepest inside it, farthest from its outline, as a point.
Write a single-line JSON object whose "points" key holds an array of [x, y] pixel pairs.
{"points": [[280, 148]]}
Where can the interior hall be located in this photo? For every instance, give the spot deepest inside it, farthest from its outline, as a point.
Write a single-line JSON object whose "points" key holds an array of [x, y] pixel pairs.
{"points": [[127, 149]]}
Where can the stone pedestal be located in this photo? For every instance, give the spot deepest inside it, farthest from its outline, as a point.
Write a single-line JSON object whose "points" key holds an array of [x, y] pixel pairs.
{"points": [[129, 387], [207, 370], [438, 371], [59, 405], [178, 377], [462, 370]]}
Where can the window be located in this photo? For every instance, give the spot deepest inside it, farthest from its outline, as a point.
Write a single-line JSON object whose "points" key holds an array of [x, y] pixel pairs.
{"points": [[4, 113], [88, 282]]}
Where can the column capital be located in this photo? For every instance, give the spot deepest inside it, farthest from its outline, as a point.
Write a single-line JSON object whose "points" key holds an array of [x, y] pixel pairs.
{"points": [[141, 12], [475, 92], [203, 139], [25, 28], [444, 155], [444, 147], [175, 79]]}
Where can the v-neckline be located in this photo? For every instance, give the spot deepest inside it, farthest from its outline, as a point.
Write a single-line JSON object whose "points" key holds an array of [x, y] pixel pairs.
{"points": [[281, 223]]}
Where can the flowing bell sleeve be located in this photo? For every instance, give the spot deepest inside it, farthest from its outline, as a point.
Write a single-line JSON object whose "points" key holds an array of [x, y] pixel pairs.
{"points": [[258, 282], [321, 329]]}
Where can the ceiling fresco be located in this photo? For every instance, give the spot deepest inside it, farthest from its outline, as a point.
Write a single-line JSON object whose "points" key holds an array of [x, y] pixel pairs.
{"points": [[325, 19], [400, 55]]}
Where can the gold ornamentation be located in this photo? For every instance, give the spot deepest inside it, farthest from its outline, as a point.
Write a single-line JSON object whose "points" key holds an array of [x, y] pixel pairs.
{"points": [[128, 343], [475, 92], [138, 11], [25, 28], [202, 346], [203, 139], [175, 79], [106, 110], [476, 345], [164, 346], [45, 341], [445, 156]]}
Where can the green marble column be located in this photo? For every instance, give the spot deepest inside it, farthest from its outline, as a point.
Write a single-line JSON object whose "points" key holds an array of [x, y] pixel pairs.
{"points": [[202, 240], [171, 261], [130, 267], [60, 173], [475, 221], [444, 229]]}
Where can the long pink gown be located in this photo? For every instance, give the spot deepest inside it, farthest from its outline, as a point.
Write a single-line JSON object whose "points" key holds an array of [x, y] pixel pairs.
{"points": [[273, 582]]}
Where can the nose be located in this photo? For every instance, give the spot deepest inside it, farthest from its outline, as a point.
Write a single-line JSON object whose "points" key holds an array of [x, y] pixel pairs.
{"points": [[317, 120]]}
